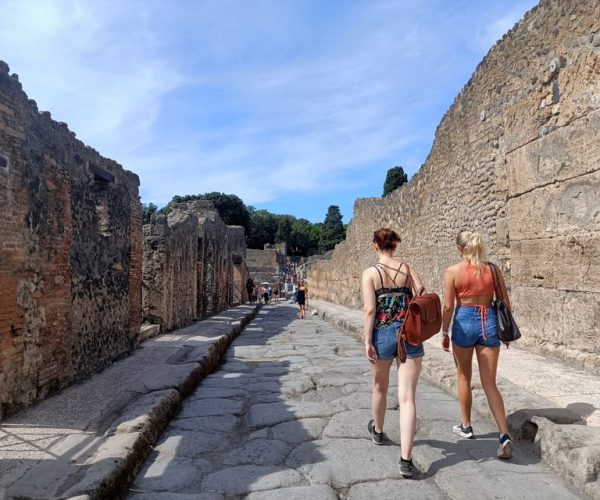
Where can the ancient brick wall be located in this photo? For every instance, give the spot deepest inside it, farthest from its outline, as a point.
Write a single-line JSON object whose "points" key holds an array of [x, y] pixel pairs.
{"points": [[515, 157], [193, 265], [70, 269]]}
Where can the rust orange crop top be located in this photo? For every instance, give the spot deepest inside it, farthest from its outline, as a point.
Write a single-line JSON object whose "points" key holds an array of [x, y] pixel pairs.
{"points": [[471, 284]]}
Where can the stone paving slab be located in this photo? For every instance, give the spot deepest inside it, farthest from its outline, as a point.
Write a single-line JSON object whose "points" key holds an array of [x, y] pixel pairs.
{"points": [[314, 444], [555, 406], [89, 439]]}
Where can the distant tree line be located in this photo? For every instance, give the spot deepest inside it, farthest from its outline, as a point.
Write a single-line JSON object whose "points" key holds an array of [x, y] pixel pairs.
{"points": [[302, 236]]}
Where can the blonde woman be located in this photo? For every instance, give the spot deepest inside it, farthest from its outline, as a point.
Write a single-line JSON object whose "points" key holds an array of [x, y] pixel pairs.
{"points": [[468, 294], [387, 289]]}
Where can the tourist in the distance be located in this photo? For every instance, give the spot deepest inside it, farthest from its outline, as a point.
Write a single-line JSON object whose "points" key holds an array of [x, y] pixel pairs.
{"points": [[470, 286], [387, 289], [301, 298], [250, 290]]}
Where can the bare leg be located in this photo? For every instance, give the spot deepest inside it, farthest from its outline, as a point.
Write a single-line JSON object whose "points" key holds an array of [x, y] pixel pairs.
{"points": [[463, 357], [408, 376], [381, 382], [487, 358]]}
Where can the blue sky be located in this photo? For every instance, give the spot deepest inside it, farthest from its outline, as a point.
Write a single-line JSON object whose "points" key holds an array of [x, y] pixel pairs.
{"points": [[293, 105]]}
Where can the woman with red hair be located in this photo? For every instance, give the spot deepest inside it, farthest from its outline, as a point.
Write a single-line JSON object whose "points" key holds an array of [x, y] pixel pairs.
{"points": [[387, 289]]}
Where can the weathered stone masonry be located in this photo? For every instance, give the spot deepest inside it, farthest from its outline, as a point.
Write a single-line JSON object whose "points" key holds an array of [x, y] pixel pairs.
{"points": [[194, 265], [70, 253], [517, 157]]}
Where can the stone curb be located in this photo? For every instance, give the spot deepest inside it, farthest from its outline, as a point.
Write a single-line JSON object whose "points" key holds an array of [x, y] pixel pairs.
{"points": [[557, 435], [124, 447]]}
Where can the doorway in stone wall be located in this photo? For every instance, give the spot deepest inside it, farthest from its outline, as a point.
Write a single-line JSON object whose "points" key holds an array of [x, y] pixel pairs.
{"points": [[238, 281]]}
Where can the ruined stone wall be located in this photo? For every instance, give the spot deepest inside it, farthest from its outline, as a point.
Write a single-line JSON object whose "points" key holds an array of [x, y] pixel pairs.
{"points": [[70, 245], [193, 265], [515, 157], [264, 265]]}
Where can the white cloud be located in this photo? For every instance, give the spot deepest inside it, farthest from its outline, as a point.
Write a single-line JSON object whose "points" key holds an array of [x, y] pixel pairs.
{"points": [[260, 99], [74, 60]]}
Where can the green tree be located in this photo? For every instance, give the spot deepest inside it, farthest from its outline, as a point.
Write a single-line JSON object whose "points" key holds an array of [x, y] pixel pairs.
{"points": [[230, 208], [302, 239], [284, 229], [333, 230], [264, 228], [394, 179], [147, 211]]}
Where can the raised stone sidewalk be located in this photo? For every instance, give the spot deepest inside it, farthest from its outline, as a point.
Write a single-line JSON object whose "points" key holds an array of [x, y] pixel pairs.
{"points": [[89, 440], [553, 406]]}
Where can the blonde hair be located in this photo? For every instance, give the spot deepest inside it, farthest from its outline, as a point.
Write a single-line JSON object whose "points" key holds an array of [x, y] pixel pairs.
{"points": [[471, 244]]}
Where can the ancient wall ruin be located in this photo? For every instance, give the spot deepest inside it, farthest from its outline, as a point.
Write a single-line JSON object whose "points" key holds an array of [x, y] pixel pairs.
{"points": [[194, 265], [517, 158], [265, 265], [70, 253]]}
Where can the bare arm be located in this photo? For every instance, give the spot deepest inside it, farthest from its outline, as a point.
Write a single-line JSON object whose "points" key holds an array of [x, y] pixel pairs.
{"points": [[506, 299], [449, 298], [417, 282], [368, 291]]}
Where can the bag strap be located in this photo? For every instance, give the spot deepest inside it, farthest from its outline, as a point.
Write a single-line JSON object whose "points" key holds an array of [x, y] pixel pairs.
{"points": [[497, 286]]}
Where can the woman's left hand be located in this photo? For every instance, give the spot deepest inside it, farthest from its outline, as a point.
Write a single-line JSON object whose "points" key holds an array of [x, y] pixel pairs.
{"points": [[371, 353], [445, 343]]}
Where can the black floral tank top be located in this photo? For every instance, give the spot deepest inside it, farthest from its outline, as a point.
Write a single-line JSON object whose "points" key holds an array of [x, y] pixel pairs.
{"points": [[391, 303]]}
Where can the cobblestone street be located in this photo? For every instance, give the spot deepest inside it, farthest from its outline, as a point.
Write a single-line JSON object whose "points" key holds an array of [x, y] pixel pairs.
{"points": [[285, 418]]}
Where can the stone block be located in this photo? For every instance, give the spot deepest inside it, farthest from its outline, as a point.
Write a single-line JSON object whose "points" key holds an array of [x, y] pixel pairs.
{"points": [[560, 209], [567, 263], [567, 152], [565, 318]]}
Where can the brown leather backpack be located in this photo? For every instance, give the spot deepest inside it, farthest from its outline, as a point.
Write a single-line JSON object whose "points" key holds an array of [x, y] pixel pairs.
{"points": [[423, 321]]}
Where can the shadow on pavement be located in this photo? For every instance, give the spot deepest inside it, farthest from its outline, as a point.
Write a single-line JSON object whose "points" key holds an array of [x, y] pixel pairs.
{"points": [[237, 430]]}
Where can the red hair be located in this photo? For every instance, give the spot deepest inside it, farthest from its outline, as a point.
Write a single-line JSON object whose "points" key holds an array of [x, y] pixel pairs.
{"points": [[386, 239]]}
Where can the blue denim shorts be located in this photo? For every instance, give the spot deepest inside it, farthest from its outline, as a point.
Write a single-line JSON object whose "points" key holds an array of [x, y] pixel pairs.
{"points": [[469, 326], [386, 343]]}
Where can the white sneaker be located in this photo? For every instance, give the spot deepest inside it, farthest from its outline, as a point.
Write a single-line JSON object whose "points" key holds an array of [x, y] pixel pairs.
{"points": [[505, 448], [466, 432]]}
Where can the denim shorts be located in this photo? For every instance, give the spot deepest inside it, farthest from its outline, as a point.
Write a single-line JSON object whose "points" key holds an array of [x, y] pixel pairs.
{"points": [[469, 326], [386, 343]]}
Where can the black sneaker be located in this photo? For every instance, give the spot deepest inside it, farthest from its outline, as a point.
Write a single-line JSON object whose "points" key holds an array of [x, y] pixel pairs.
{"points": [[466, 432], [505, 448], [377, 437], [407, 468]]}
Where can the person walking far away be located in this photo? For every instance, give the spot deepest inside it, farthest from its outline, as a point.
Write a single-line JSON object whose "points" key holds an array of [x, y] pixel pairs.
{"points": [[387, 289], [470, 285], [301, 298], [250, 289]]}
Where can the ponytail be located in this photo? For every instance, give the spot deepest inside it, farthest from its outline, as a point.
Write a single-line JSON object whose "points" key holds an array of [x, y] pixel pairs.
{"points": [[471, 244]]}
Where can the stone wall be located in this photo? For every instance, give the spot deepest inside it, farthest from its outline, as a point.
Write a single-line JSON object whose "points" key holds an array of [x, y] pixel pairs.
{"points": [[266, 265], [517, 158], [194, 265], [70, 247]]}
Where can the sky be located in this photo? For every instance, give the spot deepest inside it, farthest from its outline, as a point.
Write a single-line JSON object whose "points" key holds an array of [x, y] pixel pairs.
{"points": [[292, 105]]}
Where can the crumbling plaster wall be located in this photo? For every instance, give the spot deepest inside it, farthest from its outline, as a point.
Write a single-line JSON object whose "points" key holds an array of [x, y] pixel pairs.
{"points": [[70, 248], [194, 265], [517, 158]]}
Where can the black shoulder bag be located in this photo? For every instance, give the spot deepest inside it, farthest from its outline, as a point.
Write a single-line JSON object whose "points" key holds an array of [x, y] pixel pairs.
{"points": [[508, 331]]}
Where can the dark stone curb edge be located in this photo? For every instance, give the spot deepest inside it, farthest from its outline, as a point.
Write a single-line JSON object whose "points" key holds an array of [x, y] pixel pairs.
{"points": [[572, 451], [116, 479]]}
